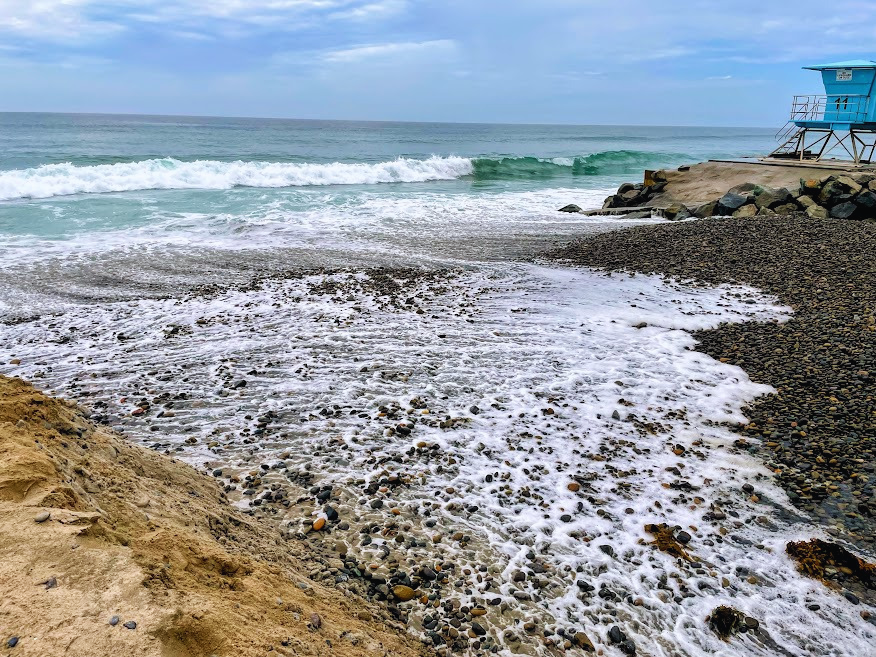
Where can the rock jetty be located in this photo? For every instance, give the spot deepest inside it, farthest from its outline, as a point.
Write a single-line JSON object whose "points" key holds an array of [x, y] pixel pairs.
{"points": [[841, 196]]}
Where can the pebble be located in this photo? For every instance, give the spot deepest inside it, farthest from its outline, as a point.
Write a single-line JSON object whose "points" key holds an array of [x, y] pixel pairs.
{"points": [[114, 621], [131, 625], [403, 593], [12, 642], [42, 516]]}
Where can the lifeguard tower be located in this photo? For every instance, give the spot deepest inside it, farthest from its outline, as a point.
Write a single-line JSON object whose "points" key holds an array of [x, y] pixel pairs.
{"points": [[841, 122]]}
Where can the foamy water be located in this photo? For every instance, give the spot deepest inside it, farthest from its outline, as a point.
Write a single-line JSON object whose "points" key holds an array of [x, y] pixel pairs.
{"points": [[64, 179], [509, 382]]}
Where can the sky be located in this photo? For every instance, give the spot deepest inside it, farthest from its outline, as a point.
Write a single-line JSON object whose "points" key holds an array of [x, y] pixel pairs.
{"points": [[637, 62]]}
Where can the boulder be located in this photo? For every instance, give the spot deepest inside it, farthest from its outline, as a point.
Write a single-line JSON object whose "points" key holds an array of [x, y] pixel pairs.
{"points": [[626, 187], [863, 179], [770, 198], [705, 210], [656, 188], [816, 212], [849, 184], [843, 210], [867, 201], [810, 187], [872, 185], [806, 202], [730, 202], [631, 196], [787, 208], [570, 208], [829, 193], [766, 212], [676, 212], [749, 210], [743, 190], [613, 201]]}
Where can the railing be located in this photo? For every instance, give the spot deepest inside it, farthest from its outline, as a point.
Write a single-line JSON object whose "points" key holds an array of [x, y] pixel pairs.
{"points": [[840, 109]]}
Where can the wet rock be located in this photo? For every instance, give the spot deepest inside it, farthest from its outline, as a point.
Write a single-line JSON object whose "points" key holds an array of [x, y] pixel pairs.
{"points": [[571, 208], [676, 212], [581, 640], [771, 198], [615, 635], [403, 593]]}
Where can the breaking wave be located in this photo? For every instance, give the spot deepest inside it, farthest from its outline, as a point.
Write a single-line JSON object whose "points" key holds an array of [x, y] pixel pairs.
{"points": [[65, 179]]}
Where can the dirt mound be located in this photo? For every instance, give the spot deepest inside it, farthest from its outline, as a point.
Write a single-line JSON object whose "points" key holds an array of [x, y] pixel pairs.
{"points": [[109, 549]]}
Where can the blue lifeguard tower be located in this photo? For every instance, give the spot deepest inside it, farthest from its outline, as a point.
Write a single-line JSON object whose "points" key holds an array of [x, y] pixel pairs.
{"points": [[841, 121]]}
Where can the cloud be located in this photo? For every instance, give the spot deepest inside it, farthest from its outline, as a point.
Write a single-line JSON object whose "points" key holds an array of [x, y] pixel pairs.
{"points": [[65, 21], [372, 11], [388, 50]]}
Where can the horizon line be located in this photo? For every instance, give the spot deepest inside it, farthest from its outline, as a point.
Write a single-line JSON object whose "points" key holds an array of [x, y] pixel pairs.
{"points": [[419, 122]]}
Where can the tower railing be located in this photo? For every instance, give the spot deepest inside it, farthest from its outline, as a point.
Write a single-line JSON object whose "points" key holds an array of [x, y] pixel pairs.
{"points": [[840, 109]]}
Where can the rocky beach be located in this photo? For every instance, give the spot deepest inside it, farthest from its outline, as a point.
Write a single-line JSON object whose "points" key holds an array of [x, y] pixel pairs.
{"points": [[818, 431]]}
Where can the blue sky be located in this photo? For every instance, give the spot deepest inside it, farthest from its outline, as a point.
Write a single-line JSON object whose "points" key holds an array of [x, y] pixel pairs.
{"points": [[730, 62]]}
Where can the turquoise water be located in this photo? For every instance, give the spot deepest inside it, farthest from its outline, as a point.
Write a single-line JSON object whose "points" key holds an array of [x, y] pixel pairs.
{"points": [[161, 179]]}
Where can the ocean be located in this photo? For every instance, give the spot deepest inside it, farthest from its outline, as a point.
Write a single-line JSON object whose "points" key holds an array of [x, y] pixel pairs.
{"points": [[356, 312]]}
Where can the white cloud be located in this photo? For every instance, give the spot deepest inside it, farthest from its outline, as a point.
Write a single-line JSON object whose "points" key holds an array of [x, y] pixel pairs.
{"points": [[56, 20], [80, 20], [372, 11], [385, 50]]}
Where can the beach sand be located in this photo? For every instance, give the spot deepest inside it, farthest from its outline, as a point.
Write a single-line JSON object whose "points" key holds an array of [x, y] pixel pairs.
{"points": [[109, 549]]}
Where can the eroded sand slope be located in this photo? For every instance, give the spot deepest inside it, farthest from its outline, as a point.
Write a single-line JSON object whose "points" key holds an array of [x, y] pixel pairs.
{"points": [[140, 536]]}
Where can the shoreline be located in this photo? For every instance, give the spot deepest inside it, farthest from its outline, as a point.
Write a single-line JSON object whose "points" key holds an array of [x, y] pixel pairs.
{"points": [[327, 555], [818, 431]]}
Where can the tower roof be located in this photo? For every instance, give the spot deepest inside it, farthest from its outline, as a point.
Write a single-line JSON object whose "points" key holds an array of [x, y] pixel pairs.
{"points": [[852, 63]]}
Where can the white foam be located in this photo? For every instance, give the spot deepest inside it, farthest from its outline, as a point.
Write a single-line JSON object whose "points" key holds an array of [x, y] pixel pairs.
{"points": [[63, 179], [514, 340], [366, 220]]}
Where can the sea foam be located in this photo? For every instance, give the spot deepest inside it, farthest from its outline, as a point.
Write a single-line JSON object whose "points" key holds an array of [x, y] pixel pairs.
{"points": [[575, 377], [64, 179]]}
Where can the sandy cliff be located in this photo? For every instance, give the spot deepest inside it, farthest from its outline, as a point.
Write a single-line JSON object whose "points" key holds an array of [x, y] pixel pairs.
{"points": [[97, 535]]}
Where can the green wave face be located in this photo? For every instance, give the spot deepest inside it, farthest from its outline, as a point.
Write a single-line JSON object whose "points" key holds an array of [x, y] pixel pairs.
{"points": [[597, 164]]}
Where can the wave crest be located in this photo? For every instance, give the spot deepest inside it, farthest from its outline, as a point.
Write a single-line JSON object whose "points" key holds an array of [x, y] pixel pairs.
{"points": [[65, 179], [595, 164]]}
